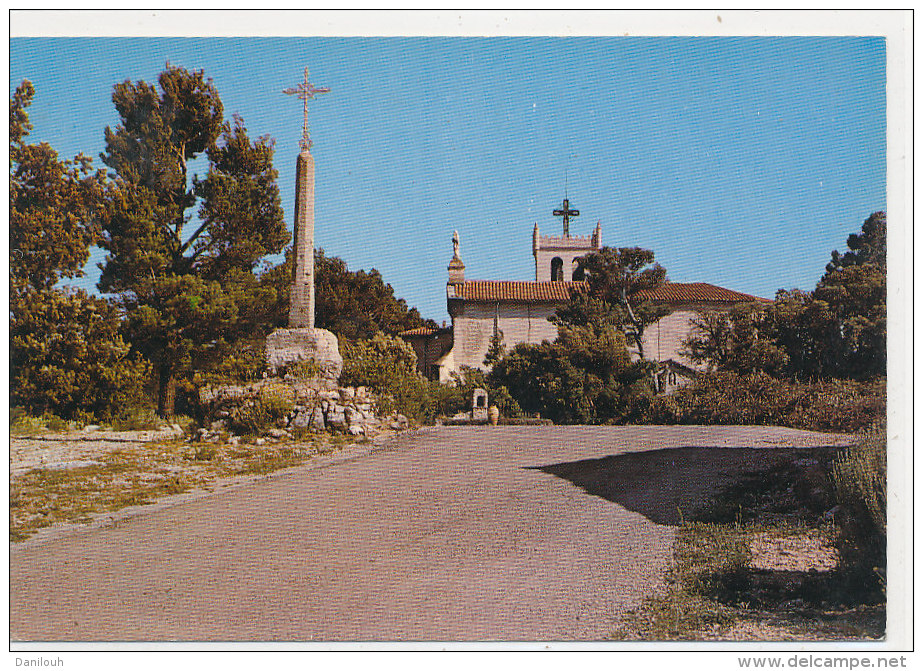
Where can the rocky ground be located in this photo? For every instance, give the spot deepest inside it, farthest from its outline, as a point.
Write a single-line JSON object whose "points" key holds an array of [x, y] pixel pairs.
{"points": [[74, 449]]}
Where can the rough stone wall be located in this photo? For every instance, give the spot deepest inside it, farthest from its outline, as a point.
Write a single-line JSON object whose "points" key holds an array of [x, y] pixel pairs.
{"points": [[519, 323], [289, 347], [308, 405]]}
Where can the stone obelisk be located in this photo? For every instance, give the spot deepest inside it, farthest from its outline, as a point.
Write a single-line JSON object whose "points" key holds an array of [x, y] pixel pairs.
{"points": [[301, 341], [301, 312]]}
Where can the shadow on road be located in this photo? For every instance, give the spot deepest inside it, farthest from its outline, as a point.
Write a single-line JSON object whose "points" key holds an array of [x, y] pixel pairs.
{"points": [[667, 486]]}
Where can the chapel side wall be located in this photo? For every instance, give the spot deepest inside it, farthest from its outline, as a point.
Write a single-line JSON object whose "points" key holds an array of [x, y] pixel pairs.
{"points": [[663, 340], [519, 323]]}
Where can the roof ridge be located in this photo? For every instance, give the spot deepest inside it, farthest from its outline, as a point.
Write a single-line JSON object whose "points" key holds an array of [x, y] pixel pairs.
{"points": [[559, 291]]}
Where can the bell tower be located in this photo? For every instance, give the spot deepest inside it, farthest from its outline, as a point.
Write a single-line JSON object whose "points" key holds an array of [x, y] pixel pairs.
{"points": [[556, 257]]}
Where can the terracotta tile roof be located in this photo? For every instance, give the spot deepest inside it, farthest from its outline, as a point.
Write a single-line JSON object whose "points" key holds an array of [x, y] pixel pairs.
{"points": [[696, 292], [513, 292], [423, 331], [557, 292]]}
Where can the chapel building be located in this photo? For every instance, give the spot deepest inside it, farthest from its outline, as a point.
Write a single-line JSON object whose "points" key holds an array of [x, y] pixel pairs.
{"points": [[520, 310]]}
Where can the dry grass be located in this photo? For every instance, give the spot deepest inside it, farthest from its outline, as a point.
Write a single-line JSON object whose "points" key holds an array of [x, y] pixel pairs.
{"points": [[714, 591], [140, 474]]}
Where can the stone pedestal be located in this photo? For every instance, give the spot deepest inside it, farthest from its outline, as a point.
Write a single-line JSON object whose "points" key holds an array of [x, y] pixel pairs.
{"points": [[286, 348]]}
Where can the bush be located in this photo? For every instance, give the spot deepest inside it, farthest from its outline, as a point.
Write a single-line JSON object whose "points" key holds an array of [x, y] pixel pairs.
{"points": [[759, 399], [388, 366], [860, 479], [266, 411], [22, 423], [137, 419], [68, 358], [238, 363], [584, 377]]}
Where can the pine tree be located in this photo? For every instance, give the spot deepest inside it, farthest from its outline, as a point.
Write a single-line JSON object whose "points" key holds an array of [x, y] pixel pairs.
{"points": [[186, 292], [618, 279]]}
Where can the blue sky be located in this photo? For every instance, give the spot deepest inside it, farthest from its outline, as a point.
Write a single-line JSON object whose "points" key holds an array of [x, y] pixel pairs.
{"points": [[740, 161]]}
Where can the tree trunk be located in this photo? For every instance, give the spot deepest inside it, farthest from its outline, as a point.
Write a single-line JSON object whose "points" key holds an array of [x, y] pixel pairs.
{"points": [[166, 396], [635, 322]]}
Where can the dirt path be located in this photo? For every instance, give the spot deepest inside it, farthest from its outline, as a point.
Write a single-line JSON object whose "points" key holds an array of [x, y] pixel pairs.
{"points": [[464, 533]]}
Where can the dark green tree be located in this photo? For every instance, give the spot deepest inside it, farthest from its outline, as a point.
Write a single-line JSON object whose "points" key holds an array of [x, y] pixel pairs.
{"points": [[496, 349], [838, 330], [869, 246], [66, 353], [854, 292], [618, 281], [352, 304], [583, 377], [185, 291], [737, 340], [54, 206], [67, 357], [803, 328], [586, 375]]}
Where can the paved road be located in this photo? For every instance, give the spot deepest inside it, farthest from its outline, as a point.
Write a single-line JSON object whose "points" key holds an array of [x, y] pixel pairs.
{"points": [[456, 533]]}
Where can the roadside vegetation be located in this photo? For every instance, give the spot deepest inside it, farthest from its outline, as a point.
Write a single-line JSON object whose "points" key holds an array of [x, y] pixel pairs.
{"points": [[185, 308], [185, 304], [140, 473], [794, 552]]}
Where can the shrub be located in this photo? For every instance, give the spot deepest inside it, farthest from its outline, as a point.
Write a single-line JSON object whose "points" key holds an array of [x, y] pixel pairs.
{"points": [[268, 410], [18, 414], [22, 423], [730, 398], [859, 476], [584, 377], [388, 366], [239, 362], [67, 356], [137, 419], [55, 423]]}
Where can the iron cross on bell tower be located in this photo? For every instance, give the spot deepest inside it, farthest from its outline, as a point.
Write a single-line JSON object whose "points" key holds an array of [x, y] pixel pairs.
{"points": [[306, 91], [566, 212]]}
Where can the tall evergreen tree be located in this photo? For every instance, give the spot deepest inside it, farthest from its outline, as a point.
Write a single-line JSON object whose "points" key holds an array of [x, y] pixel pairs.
{"points": [[54, 206], [839, 330], [617, 280], [185, 291], [66, 353], [854, 292]]}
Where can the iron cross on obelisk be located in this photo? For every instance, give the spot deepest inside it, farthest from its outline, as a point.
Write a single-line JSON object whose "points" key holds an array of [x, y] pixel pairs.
{"points": [[301, 311], [306, 91], [566, 212]]}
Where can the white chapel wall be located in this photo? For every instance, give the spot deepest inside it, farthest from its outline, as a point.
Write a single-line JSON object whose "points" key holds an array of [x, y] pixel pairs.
{"points": [[519, 323], [664, 339]]}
